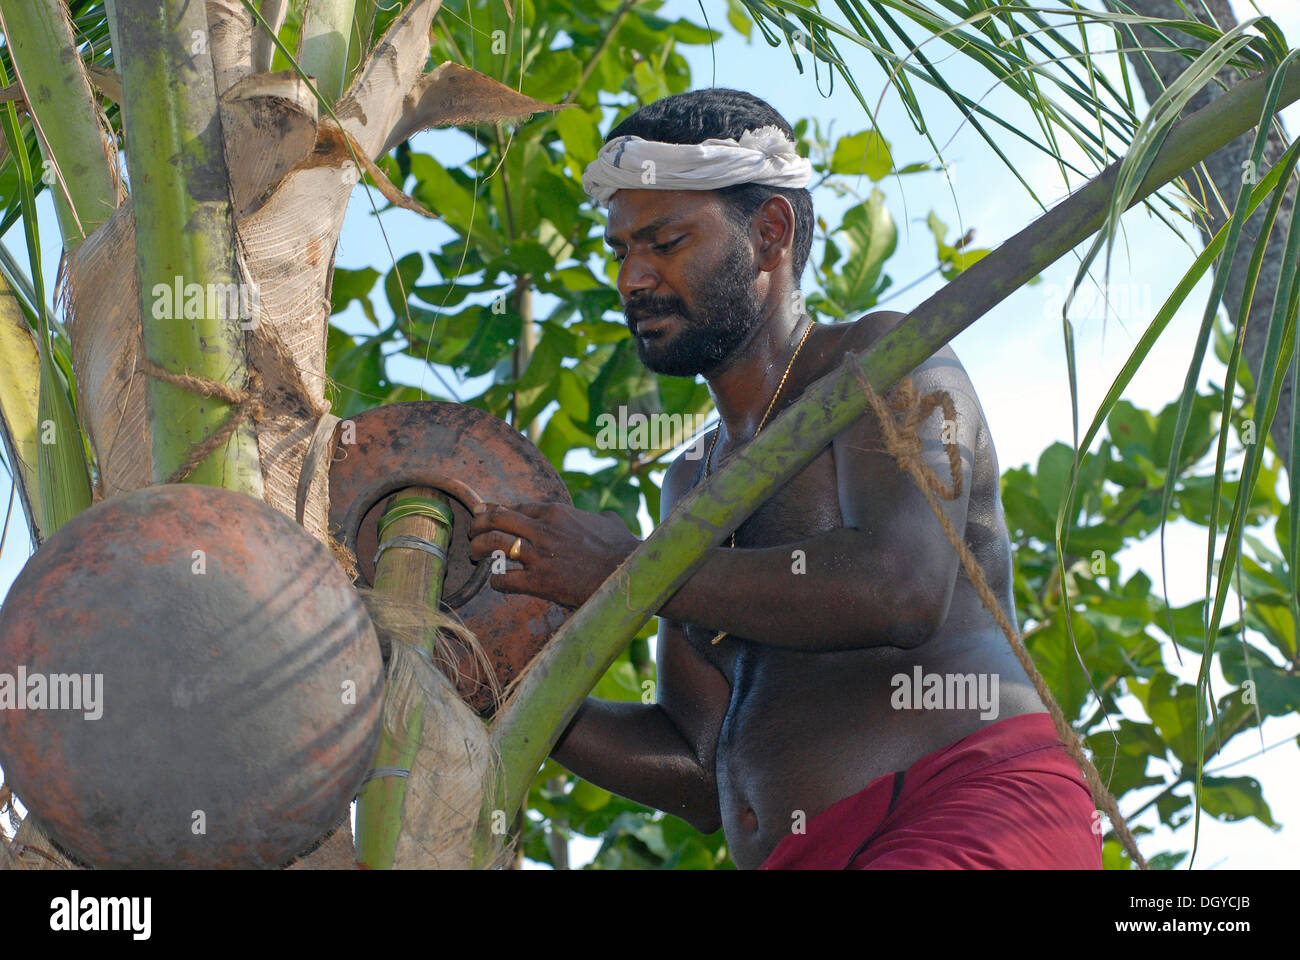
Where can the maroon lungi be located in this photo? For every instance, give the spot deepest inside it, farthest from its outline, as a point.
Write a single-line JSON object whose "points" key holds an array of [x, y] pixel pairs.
{"points": [[1006, 797]]}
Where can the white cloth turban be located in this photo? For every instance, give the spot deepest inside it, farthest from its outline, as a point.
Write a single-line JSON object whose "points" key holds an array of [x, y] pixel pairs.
{"points": [[762, 156]]}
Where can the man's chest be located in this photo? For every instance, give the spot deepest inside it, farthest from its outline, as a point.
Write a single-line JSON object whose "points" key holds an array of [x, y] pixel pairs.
{"points": [[807, 505]]}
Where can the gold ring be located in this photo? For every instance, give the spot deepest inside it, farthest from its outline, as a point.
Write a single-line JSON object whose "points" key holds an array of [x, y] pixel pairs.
{"points": [[515, 548]]}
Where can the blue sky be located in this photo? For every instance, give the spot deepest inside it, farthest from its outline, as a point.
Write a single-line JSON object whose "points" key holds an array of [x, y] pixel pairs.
{"points": [[1014, 355]]}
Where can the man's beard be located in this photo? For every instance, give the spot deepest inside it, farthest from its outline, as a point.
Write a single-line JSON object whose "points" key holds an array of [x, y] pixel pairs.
{"points": [[727, 307]]}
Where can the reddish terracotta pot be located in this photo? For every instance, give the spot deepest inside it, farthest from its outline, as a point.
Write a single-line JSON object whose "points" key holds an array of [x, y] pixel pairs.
{"points": [[229, 677]]}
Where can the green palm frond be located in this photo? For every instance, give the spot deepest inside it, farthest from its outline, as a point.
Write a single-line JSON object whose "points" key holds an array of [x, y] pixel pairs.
{"points": [[63, 472]]}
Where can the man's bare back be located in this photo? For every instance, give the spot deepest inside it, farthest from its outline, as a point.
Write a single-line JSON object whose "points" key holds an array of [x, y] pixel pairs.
{"points": [[796, 730]]}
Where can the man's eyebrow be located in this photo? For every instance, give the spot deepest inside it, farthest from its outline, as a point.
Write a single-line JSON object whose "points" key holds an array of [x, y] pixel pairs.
{"points": [[644, 233]]}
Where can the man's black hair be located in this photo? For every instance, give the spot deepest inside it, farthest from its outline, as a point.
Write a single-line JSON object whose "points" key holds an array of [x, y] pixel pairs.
{"points": [[721, 112]]}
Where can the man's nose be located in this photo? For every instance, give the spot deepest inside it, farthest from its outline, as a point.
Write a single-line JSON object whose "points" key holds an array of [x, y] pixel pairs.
{"points": [[635, 276]]}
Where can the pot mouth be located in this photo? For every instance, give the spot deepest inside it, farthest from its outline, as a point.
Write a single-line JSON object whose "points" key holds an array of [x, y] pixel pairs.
{"points": [[460, 494]]}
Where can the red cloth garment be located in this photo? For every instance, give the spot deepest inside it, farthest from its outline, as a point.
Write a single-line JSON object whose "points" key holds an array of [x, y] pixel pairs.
{"points": [[1006, 797]]}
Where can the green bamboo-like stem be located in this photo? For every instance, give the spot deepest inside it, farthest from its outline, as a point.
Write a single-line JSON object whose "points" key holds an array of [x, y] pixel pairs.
{"points": [[413, 576], [20, 387], [363, 28], [184, 229], [273, 12], [553, 689], [58, 94], [110, 14], [326, 33], [62, 471]]}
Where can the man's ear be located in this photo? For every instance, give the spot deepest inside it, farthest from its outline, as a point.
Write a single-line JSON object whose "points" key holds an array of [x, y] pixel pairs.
{"points": [[775, 220]]}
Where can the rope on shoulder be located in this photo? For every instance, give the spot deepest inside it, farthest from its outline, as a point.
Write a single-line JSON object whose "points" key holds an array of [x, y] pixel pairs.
{"points": [[900, 418]]}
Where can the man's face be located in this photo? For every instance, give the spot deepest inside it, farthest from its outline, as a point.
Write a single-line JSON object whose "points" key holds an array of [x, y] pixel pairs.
{"points": [[687, 278]]}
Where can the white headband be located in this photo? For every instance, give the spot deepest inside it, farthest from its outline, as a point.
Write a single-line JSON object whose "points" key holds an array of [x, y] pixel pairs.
{"points": [[763, 156]]}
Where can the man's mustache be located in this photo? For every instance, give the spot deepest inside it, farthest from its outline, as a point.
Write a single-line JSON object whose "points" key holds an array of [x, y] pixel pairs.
{"points": [[648, 309]]}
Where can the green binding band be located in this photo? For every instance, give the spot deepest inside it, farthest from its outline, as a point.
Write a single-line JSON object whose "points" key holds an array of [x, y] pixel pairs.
{"points": [[414, 507]]}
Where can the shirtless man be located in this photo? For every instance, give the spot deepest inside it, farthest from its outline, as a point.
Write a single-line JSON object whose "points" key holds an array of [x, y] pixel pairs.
{"points": [[798, 707]]}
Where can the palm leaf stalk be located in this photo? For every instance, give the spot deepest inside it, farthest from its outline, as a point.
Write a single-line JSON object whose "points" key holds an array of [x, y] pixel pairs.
{"points": [[1271, 185], [55, 90], [549, 695], [1277, 352], [326, 30], [1237, 224], [20, 378], [184, 235], [62, 470], [78, 166], [993, 37]]}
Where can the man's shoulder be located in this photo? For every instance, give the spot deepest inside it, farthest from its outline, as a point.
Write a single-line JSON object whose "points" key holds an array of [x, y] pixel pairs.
{"points": [[861, 334], [941, 371]]}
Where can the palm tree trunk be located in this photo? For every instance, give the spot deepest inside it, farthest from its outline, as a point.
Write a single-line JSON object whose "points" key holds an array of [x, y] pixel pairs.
{"points": [[185, 239], [1226, 168], [269, 218]]}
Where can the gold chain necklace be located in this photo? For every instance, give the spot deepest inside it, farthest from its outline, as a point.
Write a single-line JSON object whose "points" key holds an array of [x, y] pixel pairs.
{"points": [[766, 413]]}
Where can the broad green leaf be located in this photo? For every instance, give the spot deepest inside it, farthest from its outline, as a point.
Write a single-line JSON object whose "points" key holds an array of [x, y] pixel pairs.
{"points": [[870, 238], [589, 796], [581, 139], [863, 153], [350, 285], [623, 383], [560, 436], [1235, 798], [552, 76], [738, 20], [494, 337], [446, 196], [400, 281], [1054, 468]]}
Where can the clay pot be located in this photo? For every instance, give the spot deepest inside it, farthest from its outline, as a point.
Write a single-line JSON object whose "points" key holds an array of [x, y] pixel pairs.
{"points": [[212, 683]]}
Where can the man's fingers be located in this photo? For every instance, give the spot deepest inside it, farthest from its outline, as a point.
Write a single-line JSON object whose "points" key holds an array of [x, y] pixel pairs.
{"points": [[505, 519], [538, 511], [485, 544], [512, 581]]}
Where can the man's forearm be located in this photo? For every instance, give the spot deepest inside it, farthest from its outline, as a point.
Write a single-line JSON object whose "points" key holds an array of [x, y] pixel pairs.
{"points": [[634, 750], [828, 592]]}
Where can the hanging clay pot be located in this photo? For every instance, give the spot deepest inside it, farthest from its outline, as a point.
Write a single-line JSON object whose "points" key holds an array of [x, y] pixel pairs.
{"points": [[200, 684]]}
